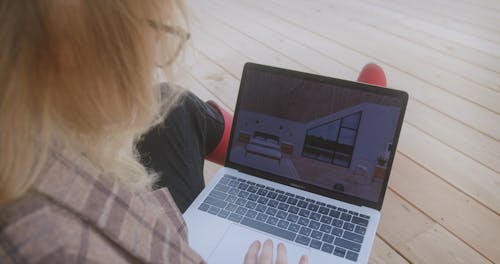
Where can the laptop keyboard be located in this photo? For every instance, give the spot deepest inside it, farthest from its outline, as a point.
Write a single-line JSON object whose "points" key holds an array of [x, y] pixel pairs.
{"points": [[311, 223]]}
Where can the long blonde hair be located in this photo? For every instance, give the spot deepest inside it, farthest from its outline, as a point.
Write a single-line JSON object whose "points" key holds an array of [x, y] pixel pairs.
{"points": [[79, 74]]}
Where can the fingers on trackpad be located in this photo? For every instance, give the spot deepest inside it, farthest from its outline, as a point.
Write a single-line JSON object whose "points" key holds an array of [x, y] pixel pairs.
{"points": [[237, 239]]}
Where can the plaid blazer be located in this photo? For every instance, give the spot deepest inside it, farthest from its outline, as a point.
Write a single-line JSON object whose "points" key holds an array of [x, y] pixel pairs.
{"points": [[75, 215]]}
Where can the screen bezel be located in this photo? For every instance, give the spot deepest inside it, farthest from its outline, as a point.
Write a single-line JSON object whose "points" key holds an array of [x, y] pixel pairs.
{"points": [[325, 80]]}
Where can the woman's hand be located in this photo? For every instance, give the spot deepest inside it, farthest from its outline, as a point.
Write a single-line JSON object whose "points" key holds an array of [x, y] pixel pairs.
{"points": [[266, 256]]}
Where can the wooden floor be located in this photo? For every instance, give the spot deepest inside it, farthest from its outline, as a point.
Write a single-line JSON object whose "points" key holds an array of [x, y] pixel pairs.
{"points": [[443, 201]]}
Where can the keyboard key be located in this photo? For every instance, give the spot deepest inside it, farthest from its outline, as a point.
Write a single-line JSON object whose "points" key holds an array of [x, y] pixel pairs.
{"points": [[213, 210], [231, 199], [251, 214], [302, 204], [300, 197], [283, 206], [262, 192], [352, 212], [240, 180], [224, 180], [360, 221], [223, 213], [340, 252], [231, 207], [325, 228], [281, 198], [253, 197], [250, 183], [281, 214], [289, 194], [251, 205], [292, 201], [316, 244], [241, 201], [342, 210], [292, 218], [316, 234], [271, 211], [261, 208], [294, 227], [331, 206], [360, 230], [309, 200], [347, 244], [272, 195], [337, 223], [364, 216], [269, 229], [261, 217], [326, 220], [352, 236], [304, 212], [263, 200], [283, 224], [351, 256], [269, 188], [303, 221], [334, 213], [272, 220], [315, 216], [233, 183], [279, 191], [272, 203], [303, 240], [293, 209], [260, 185], [252, 189], [328, 238], [348, 226], [235, 217], [313, 207], [314, 225], [346, 217], [241, 210], [221, 187], [243, 194], [243, 186], [320, 203], [337, 232], [215, 202], [323, 210], [203, 207], [233, 191], [305, 231], [327, 248]]}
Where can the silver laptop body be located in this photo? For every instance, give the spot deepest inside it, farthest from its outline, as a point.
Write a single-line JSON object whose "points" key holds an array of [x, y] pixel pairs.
{"points": [[307, 165]]}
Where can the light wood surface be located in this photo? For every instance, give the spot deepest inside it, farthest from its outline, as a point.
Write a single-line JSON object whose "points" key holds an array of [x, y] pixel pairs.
{"points": [[443, 201]]}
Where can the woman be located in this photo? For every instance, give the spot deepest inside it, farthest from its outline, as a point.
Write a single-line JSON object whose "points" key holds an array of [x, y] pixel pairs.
{"points": [[75, 99]]}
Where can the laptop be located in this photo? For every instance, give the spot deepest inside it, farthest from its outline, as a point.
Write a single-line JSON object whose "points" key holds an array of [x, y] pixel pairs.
{"points": [[308, 164]]}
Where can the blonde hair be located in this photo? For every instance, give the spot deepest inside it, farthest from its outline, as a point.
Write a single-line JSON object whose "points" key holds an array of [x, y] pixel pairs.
{"points": [[79, 75]]}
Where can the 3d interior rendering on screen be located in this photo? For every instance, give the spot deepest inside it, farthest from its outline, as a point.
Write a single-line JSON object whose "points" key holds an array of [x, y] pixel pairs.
{"points": [[343, 147]]}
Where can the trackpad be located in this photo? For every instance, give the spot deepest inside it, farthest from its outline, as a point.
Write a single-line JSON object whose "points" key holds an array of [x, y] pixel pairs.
{"points": [[236, 241]]}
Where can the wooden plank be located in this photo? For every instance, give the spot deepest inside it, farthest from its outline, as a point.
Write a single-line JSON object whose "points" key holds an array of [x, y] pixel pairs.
{"points": [[468, 14], [454, 210], [419, 238], [382, 253], [467, 175], [382, 19], [451, 29]]}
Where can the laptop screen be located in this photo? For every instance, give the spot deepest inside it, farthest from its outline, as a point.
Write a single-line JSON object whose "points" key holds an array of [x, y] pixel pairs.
{"points": [[318, 131]]}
